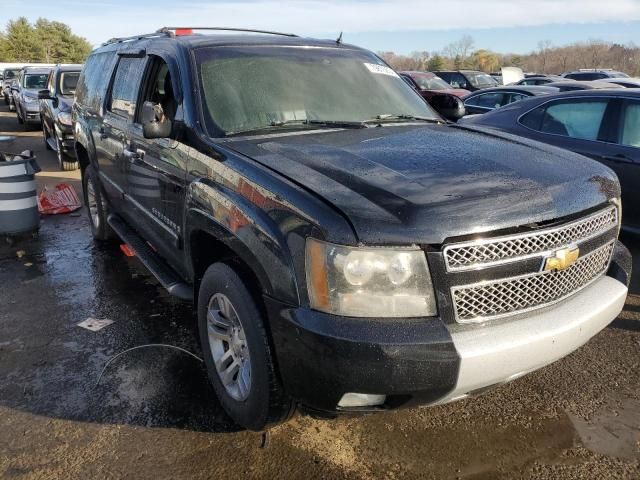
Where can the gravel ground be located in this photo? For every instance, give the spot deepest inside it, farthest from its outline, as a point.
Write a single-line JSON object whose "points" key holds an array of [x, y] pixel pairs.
{"points": [[153, 415]]}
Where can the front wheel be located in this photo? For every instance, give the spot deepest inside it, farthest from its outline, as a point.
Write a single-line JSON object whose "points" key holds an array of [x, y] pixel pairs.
{"points": [[237, 352], [96, 207]]}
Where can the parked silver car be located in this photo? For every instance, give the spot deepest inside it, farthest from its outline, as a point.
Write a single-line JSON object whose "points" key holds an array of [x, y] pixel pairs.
{"points": [[25, 94], [9, 76]]}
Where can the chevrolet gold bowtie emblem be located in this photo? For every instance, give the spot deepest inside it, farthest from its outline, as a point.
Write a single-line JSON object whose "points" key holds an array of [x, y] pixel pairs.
{"points": [[561, 259]]}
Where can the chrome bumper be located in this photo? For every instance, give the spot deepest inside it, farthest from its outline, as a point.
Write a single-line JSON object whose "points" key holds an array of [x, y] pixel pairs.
{"points": [[493, 354]]}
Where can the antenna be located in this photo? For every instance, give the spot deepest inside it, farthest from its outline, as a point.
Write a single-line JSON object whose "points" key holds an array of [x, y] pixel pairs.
{"points": [[339, 39]]}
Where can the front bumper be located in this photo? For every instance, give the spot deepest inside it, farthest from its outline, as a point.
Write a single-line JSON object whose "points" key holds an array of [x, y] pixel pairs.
{"points": [[424, 361], [31, 114]]}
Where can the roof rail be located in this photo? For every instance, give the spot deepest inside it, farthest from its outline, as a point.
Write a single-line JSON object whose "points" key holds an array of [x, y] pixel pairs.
{"points": [[159, 33], [224, 29]]}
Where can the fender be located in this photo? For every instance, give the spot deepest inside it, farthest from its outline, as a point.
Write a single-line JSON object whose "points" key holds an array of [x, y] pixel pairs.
{"points": [[247, 231], [83, 136]]}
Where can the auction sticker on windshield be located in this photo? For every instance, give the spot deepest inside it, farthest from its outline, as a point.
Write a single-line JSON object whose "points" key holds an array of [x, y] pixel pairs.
{"points": [[380, 69]]}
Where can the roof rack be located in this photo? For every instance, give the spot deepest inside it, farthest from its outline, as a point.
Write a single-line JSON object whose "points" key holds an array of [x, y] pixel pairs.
{"points": [[160, 33], [225, 29]]}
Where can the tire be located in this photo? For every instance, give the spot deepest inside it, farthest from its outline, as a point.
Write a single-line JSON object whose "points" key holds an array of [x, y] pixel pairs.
{"points": [[20, 120], [96, 208], [44, 134], [265, 403], [12, 106], [65, 162], [6, 100]]}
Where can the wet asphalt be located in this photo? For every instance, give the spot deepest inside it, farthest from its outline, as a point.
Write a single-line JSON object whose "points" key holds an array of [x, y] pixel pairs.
{"points": [[152, 414]]}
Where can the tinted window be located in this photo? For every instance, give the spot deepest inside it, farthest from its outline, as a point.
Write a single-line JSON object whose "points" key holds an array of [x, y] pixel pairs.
{"points": [[457, 80], [630, 134], [126, 85], [586, 76], [94, 79], [515, 97], [577, 119], [486, 100]]}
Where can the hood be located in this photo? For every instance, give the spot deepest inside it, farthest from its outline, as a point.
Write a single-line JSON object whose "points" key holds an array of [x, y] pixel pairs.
{"points": [[64, 103], [458, 92], [425, 183]]}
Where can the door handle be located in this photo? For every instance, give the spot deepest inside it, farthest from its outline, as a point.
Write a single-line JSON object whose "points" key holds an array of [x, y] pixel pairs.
{"points": [[133, 155]]}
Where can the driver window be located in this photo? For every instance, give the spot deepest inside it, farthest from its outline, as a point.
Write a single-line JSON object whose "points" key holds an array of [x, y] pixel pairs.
{"points": [[159, 90]]}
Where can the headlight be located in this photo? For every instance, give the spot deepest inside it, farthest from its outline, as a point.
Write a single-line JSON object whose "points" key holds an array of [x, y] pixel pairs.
{"points": [[30, 99], [64, 118], [369, 282]]}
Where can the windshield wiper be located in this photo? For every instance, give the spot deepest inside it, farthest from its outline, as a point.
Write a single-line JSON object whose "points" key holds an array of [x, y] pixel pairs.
{"points": [[328, 123], [391, 117]]}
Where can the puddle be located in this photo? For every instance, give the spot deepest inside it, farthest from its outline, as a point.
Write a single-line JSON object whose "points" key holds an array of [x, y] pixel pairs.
{"points": [[614, 431]]}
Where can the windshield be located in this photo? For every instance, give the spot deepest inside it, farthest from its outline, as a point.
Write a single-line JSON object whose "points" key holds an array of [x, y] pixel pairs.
{"points": [[68, 82], [430, 83], [35, 81], [10, 73], [255, 88], [480, 80]]}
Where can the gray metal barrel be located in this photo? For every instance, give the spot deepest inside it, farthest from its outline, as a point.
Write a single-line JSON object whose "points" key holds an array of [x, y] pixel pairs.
{"points": [[18, 202]]}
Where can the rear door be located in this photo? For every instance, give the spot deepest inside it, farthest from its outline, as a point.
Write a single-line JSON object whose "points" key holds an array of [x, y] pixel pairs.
{"points": [[157, 167], [624, 158], [118, 117]]}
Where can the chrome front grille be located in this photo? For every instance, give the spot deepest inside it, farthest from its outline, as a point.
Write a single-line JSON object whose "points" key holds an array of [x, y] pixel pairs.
{"points": [[494, 299], [487, 252]]}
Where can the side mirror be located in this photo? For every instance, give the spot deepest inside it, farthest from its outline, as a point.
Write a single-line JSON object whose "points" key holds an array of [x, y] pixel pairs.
{"points": [[154, 122], [44, 95], [449, 106]]}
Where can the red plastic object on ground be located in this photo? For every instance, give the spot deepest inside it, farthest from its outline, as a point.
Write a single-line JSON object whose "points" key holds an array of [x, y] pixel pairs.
{"points": [[62, 199], [127, 250]]}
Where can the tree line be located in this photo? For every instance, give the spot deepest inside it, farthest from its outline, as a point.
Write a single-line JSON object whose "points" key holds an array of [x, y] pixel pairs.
{"points": [[44, 41], [547, 58]]}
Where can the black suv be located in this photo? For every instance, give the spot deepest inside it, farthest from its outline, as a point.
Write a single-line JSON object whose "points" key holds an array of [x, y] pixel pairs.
{"points": [[346, 248], [55, 113]]}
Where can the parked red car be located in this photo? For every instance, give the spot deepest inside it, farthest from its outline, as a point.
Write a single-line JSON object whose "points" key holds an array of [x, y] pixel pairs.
{"points": [[430, 85]]}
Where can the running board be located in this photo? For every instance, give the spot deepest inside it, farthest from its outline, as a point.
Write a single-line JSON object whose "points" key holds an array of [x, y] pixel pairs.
{"points": [[167, 277]]}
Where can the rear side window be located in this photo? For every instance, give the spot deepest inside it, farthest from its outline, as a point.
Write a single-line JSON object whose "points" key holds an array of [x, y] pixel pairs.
{"points": [[630, 134], [93, 82], [576, 119], [126, 85], [487, 100]]}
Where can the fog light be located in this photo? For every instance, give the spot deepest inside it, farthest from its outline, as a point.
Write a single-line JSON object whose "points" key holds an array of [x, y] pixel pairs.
{"points": [[349, 400]]}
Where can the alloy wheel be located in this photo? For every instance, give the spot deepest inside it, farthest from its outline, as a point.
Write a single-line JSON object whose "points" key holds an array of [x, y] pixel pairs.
{"points": [[229, 348]]}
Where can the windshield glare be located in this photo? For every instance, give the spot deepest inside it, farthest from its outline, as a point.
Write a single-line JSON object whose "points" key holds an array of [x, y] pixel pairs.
{"points": [[430, 83], [481, 80], [35, 80], [68, 82], [254, 88]]}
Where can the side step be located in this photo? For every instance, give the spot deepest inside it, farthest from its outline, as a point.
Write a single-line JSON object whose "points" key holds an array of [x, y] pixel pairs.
{"points": [[167, 277]]}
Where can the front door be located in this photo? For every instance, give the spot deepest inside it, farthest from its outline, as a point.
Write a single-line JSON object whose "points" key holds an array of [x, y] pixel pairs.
{"points": [[156, 168]]}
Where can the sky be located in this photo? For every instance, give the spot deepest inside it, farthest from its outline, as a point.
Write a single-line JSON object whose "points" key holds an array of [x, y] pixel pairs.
{"points": [[506, 26]]}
